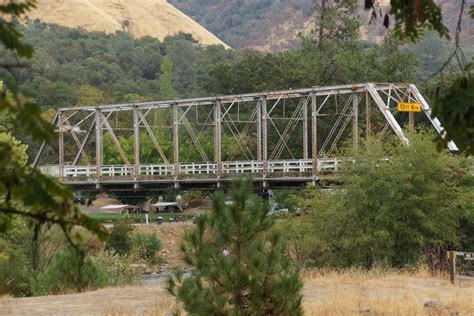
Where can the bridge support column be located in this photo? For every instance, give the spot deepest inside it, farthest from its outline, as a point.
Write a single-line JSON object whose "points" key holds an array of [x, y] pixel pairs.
{"points": [[217, 138], [259, 132], [314, 134], [263, 105], [136, 144], [355, 120], [367, 115], [98, 146], [61, 143], [176, 142], [305, 128]]}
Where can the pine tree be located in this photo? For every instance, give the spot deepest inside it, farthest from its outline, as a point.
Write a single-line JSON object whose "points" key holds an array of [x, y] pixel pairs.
{"points": [[240, 265]]}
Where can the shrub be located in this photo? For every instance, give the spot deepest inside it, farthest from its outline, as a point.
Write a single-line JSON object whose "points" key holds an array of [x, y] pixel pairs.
{"points": [[15, 270], [120, 240], [16, 259], [193, 198], [117, 268], [66, 273], [146, 246]]}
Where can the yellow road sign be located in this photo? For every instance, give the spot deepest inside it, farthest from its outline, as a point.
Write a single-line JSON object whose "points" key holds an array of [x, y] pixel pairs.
{"points": [[408, 107]]}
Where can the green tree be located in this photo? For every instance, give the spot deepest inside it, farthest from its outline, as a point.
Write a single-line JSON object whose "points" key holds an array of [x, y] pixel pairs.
{"points": [[16, 269], [89, 95], [120, 240], [454, 108], [390, 212], [146, 246], [338, 20], [240, 264], [166, 87], [24, 190]]}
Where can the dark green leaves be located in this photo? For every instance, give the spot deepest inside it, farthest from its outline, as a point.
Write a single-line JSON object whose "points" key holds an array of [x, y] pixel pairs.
{"points": [[10, 37], [414, 15], [455, 109], [24, 190]]}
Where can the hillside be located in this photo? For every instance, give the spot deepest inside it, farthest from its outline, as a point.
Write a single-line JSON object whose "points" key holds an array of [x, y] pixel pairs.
{"points": [[156, 18], [274, 25]]}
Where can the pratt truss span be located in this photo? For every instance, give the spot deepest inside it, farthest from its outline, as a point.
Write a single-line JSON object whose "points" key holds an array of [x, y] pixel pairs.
{"points": [[290, 136]]}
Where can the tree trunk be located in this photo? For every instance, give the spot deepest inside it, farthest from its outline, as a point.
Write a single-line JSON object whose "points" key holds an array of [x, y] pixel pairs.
{"points": [[321, 23]]}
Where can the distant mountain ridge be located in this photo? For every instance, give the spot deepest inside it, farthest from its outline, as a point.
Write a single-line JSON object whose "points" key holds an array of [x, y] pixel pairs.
{"points": [[155, 18], [273, 25]]}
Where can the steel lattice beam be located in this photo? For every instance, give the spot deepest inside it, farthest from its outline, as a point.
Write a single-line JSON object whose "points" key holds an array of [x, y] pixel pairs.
{"points": [[272, 135]]}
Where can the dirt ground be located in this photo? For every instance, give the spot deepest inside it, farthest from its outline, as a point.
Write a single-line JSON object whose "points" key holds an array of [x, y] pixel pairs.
{"points": [[170, 236]]}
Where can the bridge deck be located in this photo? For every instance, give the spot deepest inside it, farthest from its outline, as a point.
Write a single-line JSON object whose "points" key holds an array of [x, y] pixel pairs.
{"points": [[300, 170]]}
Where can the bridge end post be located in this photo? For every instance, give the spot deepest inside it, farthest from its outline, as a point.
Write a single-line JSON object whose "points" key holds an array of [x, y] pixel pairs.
{"points": [[314, 135]]}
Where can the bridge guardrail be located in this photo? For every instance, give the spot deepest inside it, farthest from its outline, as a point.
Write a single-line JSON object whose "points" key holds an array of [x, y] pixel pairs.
{"points": [[69, 173]]}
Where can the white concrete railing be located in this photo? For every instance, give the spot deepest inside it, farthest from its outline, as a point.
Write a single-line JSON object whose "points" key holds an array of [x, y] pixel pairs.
{"points": [[228, 167]]}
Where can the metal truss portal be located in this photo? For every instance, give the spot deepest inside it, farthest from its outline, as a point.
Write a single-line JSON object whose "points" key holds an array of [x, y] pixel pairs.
{"points": [[277, 136]]}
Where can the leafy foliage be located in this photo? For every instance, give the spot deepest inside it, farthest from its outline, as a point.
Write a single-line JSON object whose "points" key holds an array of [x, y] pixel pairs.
{"points": [[146, 246], [411, 16], [73, 67], [24, 191], [309, 66], [338, 20], [68, 272], [120, 240], [240, 264], [10, 37], [166, 89], [16, 257], [389, 212], [455, 109], [270, 24]]}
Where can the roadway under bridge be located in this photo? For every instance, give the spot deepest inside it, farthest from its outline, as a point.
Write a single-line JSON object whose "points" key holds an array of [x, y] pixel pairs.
{"points": [[286, 137]]}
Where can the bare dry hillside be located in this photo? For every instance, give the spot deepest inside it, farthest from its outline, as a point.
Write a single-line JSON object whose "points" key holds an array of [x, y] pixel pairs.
{"points": [[156, 18]]}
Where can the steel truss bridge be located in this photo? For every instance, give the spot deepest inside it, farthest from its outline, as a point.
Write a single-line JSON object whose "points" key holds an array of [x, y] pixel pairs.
{"points": [[279, 137]]}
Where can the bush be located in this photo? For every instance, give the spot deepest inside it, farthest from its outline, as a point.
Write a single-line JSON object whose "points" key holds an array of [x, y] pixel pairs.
{"points": [[66, 273], [120, 240], [146, 247], [16, 260], [117, 268], [15, 270], [193, 198], [387, 212]]}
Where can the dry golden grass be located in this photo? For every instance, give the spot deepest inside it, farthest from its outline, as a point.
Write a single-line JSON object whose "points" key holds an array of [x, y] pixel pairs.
{"points": [[348, 292], [156, 18], [384, 292], [158, 308]]}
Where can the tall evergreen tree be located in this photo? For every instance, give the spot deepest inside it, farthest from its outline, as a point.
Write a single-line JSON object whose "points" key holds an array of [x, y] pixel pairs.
{"points": [[239, 263], [166, 87]]}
